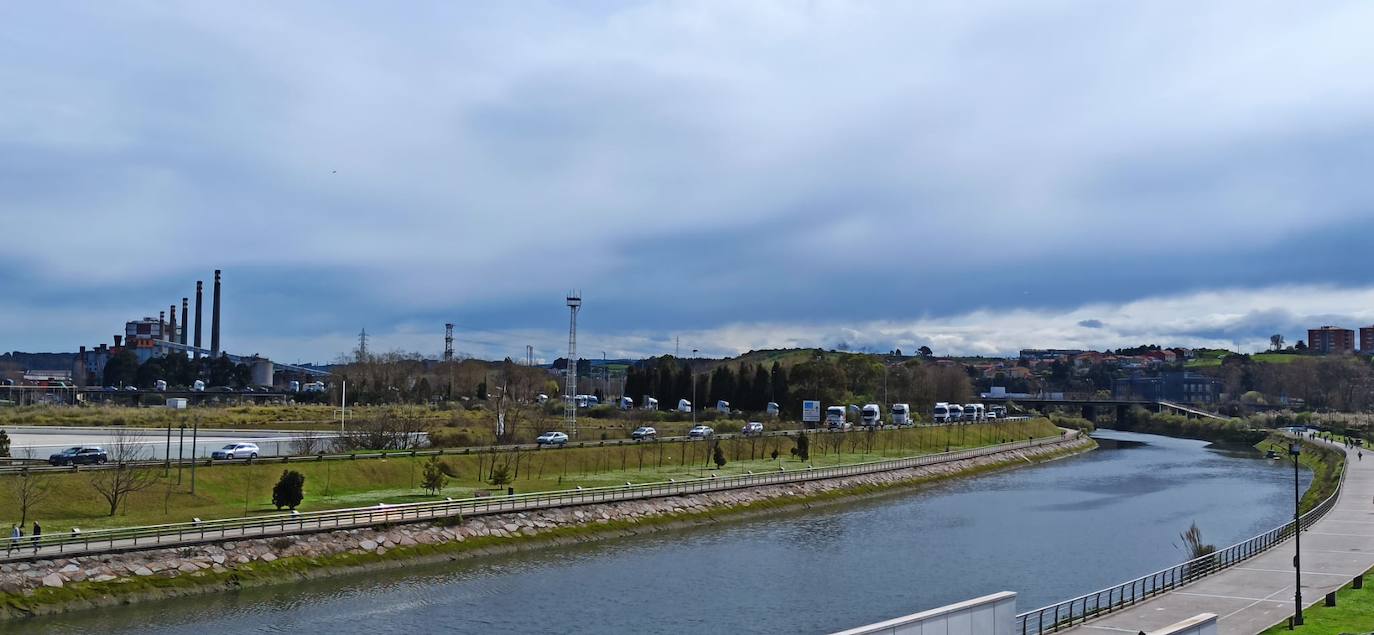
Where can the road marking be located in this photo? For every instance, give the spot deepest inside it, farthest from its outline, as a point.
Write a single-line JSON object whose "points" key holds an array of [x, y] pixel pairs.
{"points": [[1252, 604], [1324, 533], [1230, 597], [1338, 575]]}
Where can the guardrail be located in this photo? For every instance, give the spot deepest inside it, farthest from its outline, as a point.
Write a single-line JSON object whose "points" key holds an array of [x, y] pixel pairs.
{"points": [[133, 538], [1068, 613], [35, 466]]}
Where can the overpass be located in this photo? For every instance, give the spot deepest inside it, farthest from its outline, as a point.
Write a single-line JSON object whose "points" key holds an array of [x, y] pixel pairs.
{"points": [[1091, 406]]}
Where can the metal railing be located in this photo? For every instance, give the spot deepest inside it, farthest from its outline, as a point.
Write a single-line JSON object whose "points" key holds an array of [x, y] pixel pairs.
{"points": [[1083, 608], [152, 536]]}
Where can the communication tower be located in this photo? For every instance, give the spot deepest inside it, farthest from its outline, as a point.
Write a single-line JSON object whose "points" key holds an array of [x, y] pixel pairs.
{"points": [[448, 342], [570, 405]]}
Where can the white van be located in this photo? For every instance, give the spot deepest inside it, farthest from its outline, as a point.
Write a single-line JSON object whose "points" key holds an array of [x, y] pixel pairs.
{"points": [[901, 414], [871, 415]]}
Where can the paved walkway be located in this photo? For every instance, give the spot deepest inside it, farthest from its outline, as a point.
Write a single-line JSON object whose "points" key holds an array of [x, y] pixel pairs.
{"points": [[1259, 592]]}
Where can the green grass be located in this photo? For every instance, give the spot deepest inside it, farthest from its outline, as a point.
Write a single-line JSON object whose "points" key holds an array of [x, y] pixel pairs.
{"points": [[1353, 613], [225, 491]]}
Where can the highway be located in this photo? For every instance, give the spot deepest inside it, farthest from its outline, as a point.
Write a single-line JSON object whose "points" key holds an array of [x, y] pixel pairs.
{"points": [[39, 464]]}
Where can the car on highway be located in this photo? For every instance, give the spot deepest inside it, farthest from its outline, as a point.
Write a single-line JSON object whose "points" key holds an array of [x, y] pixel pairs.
{"points": [[236, 451], [644, 432], [79, 455], [552, 438], [752, 429], [700, 432]]}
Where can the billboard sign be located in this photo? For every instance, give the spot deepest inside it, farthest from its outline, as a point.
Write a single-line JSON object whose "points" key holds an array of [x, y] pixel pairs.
{"points": [[811, 411]]}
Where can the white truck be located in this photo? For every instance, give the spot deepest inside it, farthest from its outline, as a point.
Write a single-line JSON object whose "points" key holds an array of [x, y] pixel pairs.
{"points": [[198, 386], [160, 385], [901, 414], [773, 409], [650, 403], [974, 412], [627, 403], [871, 416], [684, 406], [834, 418], [940, 413], [723, 406]]}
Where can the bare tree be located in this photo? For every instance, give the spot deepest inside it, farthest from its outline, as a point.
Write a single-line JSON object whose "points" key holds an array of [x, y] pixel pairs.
{"points": [[307, 443], [126, 449], [28, 490]]}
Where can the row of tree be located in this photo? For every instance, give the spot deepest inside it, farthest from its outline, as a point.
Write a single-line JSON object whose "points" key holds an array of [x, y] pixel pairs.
{"points": [[123, 369]]}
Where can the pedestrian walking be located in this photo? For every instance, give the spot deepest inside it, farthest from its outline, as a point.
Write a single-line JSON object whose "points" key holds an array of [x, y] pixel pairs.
{"points": [[16, 535], [37, 531]]}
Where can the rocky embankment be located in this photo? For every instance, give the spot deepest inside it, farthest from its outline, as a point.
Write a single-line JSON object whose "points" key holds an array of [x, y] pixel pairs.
{"points": [[54, 585]]}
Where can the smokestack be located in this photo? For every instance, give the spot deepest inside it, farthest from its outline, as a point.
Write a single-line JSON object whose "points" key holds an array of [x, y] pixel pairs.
{"points": [[214, 320], [184, 321], [200, 285], [171, 323], [119, 339], [162, 325]]}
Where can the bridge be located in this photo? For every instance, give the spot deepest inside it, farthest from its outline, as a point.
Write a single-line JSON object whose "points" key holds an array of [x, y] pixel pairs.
{"points": [[1090, 406]]}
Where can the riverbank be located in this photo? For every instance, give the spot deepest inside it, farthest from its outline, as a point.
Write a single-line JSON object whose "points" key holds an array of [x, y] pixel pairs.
{"points": [[1327, 465], [52, 586]]}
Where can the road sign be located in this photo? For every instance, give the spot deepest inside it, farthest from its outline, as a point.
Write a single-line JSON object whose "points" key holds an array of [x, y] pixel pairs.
{"points": [[811, 411]]}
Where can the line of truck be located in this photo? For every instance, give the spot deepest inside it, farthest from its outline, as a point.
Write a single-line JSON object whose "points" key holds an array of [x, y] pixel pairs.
{"points": [[870, 415]]}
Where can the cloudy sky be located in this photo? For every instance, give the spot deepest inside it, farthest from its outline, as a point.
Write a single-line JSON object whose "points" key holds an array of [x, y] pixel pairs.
{"points": [[973, 176]]}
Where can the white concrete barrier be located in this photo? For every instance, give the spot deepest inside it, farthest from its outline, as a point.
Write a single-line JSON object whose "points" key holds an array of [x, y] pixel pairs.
{"points": [[987, 615], [1203, 624]]}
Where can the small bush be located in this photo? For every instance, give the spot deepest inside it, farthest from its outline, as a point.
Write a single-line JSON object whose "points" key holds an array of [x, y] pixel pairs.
{"points": [[289, 490], [435, 476], [281, 544]]}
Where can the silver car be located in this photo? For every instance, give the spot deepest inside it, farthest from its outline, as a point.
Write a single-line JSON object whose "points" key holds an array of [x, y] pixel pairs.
{"points": [[236, 451]]}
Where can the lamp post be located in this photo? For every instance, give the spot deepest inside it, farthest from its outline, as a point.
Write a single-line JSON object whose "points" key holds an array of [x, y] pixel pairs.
{"points": [[1295, 449], [693, 367]]}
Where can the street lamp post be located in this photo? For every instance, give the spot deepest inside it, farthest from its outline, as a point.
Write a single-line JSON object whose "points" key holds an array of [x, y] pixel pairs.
{"points": [[693, 367], [1295, 449]]}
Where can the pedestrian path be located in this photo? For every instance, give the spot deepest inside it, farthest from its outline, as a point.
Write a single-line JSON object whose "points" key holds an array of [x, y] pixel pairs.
{"points": [[1257, 594]]}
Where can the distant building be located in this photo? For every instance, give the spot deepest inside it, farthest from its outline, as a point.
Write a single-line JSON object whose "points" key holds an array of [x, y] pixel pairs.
{"points": [[1331, 340], [1367, 340], [1049, 354], [1179, 386]]}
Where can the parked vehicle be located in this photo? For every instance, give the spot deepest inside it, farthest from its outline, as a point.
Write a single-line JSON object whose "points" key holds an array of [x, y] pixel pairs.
{"points": [[701, 432], [974, 412], [79, 455], [773, 409], [160, 385], [552, 438], [316, 386], [940, 413], [871, 415], [236, 451], [650, 403], [723, 406], [644, 432], [294, 386], [956, 413], [752, 429], [1000, 411], [541, 398], [627, 403], [901, 414], [834, 418], [198, 386], [684, 406]]}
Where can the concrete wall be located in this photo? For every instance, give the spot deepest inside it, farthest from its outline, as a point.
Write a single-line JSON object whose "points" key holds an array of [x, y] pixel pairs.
{"points": [[1204, 624], [987, 615]]}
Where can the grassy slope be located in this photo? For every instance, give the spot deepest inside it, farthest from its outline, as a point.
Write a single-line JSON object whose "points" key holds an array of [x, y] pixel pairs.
{"points": [[221, 491], [1353, 613]]}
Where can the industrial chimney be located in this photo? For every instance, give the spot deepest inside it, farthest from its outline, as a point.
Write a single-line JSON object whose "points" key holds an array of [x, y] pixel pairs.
{"points": [[172, 323], [200, 286], [214, 320], [184, 321], [161, 325]]}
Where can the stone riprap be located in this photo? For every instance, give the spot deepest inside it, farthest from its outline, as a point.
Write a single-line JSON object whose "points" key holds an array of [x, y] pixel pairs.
{"points": [[25, 577]]}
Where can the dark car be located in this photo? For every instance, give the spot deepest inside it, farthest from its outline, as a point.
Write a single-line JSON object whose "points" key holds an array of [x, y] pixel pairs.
{"points": [[79, 455]]}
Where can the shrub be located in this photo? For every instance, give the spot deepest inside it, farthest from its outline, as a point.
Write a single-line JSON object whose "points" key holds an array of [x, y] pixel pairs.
{"points": [[500, 475], [289, 490], [281, 544], [435, 476], [718, 457], [803, 449]]}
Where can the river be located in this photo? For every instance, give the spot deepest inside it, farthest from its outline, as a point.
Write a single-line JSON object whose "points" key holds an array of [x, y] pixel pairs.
{"points": [[1048, 532]]}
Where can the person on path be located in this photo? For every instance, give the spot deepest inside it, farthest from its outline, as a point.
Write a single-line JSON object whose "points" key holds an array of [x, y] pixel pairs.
{"points": [[16, 534], [37, 531]]}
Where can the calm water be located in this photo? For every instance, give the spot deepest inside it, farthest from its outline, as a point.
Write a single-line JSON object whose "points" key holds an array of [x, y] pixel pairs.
{"points": [[1048, 532]]}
